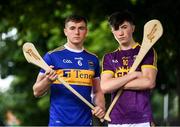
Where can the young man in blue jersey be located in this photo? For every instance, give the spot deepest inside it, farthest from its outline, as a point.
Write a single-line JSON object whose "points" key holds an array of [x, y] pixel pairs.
{"points": [[133, 107], [81, 70]]}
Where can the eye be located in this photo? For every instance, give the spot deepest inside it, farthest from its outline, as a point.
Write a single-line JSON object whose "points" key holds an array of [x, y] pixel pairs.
{"points": [[72, 28], [82, 28]]}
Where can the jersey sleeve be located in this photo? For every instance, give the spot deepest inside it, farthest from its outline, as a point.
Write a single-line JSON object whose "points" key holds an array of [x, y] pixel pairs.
{"points": [[107, 66], [47, 59], [97, 68], [150, 60]]}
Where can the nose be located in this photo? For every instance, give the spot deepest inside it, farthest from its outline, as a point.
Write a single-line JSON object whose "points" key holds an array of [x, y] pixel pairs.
{"points": [[77, 31], [120, 32]]}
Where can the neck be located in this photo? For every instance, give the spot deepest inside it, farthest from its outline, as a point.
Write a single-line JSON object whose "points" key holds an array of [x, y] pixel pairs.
{"points": [[75, 46], [128, 45]]}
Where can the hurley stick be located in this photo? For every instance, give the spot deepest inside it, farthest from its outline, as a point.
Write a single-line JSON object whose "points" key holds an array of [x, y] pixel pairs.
{"points": [[153, 30], [32, 56]]}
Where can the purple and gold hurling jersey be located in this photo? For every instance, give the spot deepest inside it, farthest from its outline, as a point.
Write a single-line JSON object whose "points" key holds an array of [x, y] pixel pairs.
{"points": [[133, 106], [78, 69]]}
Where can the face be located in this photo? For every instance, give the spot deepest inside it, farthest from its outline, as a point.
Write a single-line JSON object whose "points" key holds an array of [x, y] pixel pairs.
{"points": [[124, 34], [75, 32]]}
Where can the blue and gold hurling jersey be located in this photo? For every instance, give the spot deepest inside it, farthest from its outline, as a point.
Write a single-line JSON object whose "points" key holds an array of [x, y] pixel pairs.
{"points": [[78, 69]]}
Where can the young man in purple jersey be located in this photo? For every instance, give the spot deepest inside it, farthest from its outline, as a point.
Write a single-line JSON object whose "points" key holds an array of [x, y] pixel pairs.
{"points": [[80, 69], [133, 107]]}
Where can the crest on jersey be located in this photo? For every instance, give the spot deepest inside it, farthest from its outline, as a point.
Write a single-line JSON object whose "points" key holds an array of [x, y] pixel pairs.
{"points": [[91, 65]]}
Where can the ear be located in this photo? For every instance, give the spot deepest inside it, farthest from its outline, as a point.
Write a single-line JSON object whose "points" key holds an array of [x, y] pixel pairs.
{"points": [[65, 31], [133, 28], [112, 29]]}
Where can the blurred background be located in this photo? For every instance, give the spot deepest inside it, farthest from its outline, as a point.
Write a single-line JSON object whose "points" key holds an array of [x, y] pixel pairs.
{"points": [[41, 22]]}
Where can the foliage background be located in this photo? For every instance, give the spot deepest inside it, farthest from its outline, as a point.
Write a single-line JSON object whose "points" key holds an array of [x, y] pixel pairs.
{"points": [[41, 22]]}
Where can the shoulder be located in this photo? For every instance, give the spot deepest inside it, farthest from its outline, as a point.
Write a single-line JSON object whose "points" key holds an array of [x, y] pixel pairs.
{"points": [[110, 54], [153, 52], [137, 45], [90, 53], [61, 48]]}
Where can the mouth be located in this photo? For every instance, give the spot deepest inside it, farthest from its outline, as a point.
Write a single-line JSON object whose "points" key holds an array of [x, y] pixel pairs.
{"points": [[122, 38], [76, 37]]}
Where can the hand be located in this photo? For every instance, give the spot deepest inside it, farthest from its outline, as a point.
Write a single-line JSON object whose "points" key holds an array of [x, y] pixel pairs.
{"points": [[136, 74], [98, 112], [51, 74]]}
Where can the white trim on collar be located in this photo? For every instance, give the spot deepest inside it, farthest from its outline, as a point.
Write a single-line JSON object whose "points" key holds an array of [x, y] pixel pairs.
{"points": [[73, 50]]}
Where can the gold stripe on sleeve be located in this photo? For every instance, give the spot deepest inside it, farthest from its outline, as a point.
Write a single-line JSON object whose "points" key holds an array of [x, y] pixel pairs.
{"points": [[108, 72], [149, 66]]}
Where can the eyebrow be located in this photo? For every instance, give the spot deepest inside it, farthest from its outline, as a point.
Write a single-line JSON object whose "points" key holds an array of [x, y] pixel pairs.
{"points": [[124, 24]]}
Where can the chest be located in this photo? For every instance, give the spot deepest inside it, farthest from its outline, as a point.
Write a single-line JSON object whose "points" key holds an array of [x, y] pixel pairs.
{"points": [[121, 62], [73, 61]]}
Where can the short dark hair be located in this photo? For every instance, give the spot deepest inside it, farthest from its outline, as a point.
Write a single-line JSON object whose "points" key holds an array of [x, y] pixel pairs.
{"points": [[75, 18], [117, 18]]}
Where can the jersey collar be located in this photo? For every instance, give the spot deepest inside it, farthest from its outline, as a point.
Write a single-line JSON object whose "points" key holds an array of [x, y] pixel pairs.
{"points": [[73, 50]]}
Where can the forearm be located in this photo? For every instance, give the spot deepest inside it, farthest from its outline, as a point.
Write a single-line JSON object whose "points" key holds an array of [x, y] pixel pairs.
{"points": [[146, 81], [40, 87], [112, 84], [99, 100], [142, 83], [43, 82]]}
